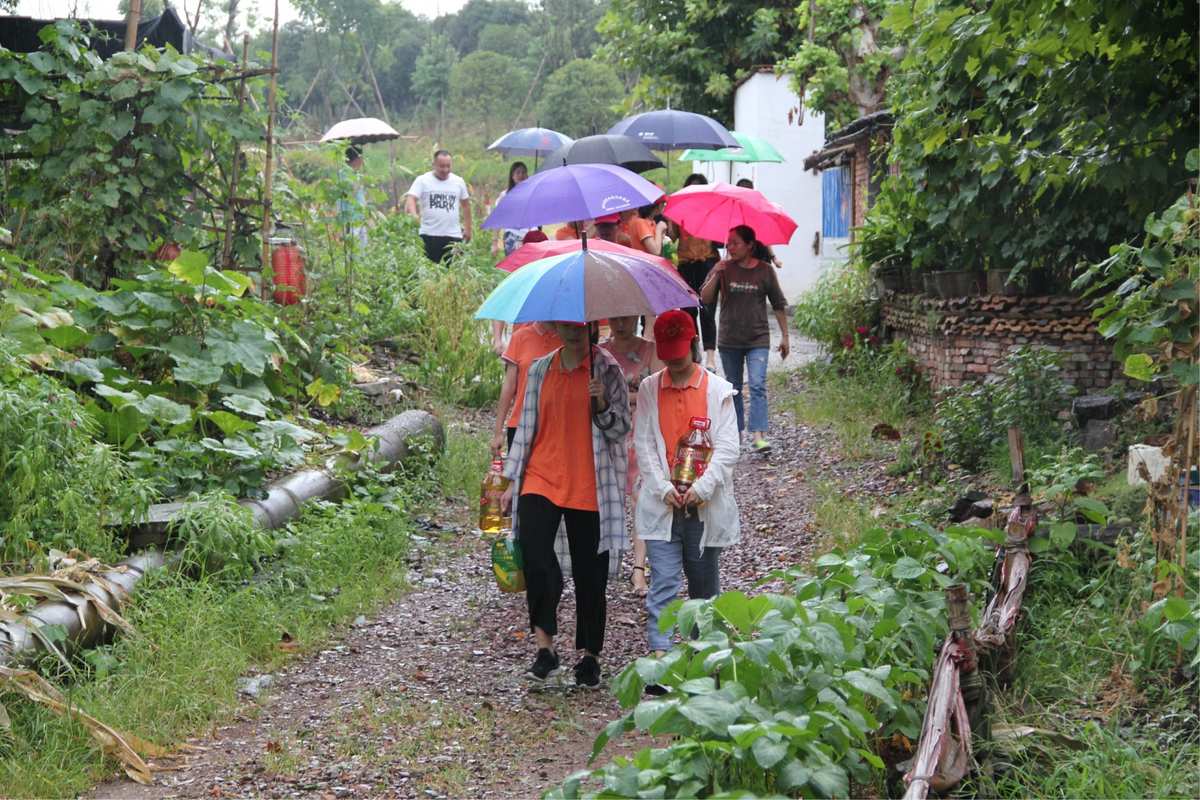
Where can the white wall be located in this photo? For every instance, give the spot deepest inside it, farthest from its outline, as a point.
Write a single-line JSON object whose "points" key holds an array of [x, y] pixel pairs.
{"points": [[761, 109]]}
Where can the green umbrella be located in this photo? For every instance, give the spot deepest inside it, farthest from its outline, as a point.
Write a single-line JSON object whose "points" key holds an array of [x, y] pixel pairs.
{"points": [[753, 150]]}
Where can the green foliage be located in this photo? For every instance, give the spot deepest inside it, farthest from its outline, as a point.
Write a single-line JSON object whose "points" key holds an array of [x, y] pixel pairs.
{"points": [[844, 70], [1146, 295], [432, 70], [217, 537], [1027, 391], [784, 694], [59, 488], [1065, 480], [464, 28], [119, 155], [488, 88], [1030, 136], [580, 98], [690, 54], [836, 305]]}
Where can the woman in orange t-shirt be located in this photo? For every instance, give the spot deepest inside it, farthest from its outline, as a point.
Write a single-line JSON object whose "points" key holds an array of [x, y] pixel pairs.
{"points": [[567, 464]]}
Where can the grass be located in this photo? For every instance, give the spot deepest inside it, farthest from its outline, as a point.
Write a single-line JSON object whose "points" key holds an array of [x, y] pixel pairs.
{"points": [[852, 404], [195, 638]]}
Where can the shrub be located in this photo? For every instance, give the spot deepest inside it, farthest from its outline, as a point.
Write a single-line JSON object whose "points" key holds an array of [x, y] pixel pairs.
{"points": [[836, 306]]}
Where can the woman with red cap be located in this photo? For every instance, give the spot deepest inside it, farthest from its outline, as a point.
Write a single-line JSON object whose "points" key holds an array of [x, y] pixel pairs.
{"points": [[684, 532]]}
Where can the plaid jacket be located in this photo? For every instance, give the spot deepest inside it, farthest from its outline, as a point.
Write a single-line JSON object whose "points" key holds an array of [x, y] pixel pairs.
{"points": [[610, 453]]}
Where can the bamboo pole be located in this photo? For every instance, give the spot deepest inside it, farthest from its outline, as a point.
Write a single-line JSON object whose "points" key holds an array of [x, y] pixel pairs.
{"points": [[269, 168], [132, 18], [227, 245]]}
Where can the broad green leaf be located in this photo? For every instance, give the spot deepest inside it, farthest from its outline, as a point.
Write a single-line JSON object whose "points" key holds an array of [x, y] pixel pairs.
{"points": [[907, 568], [831, 781], [1062, 533], [740, 611], [230, 424], [622, 724], [792, 775], [244, 404], [710, 712], [231, 446], [1176, 609], [189, 267], [67, 337], [768, 753], [1092, 508], [281, 427], [165, 410], [324, 393], [1140, 367], [244, 345], [195, 371]]}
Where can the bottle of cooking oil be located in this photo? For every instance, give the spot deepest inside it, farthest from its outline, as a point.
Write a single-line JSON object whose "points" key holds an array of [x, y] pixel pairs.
{"points": [[692, 454], [492, 520]]}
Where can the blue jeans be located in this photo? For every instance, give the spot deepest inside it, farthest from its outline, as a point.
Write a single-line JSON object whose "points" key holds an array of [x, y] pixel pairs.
{"points": [[756, 365], [667, 560]]}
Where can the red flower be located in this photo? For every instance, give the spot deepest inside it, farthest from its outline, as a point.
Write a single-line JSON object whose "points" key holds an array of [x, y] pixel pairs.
{"points": [[848, 342], [862, 330], [872, 340]]}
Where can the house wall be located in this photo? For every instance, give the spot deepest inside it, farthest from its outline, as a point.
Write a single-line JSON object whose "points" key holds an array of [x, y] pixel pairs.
{"points": [[765, 106], [961, 339]]}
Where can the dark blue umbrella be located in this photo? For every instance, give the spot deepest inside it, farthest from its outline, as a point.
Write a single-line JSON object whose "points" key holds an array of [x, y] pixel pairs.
{"points": [[564, 194], [675, 130], [530, 142], [604, 149]]}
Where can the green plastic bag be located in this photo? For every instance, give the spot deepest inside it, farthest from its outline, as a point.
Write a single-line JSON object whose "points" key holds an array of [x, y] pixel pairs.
{"points": [[507, 564]]}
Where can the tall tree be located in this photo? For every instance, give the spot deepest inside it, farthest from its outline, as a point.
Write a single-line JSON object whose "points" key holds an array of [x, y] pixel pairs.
{"points": [[489, 88], [431, 74], [581, 98], [463, 28]]}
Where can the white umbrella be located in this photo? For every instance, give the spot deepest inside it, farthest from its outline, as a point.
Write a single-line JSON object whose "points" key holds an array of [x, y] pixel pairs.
{"points": [[361, 130]]}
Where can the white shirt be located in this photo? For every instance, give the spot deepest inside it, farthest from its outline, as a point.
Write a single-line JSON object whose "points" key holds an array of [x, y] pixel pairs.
{"points": [[439, 203]]}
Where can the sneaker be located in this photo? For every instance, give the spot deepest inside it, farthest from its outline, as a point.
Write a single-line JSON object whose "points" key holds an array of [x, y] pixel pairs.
{"points": [[544, 666], [761, 446], [587, 673]]}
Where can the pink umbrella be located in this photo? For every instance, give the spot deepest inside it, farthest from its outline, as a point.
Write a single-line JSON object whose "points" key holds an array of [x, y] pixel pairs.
{"points": [[538, 250], [709, 211]]}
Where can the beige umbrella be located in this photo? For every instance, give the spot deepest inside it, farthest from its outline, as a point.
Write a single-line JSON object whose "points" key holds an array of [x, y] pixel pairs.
{"points": [[360, 131]]}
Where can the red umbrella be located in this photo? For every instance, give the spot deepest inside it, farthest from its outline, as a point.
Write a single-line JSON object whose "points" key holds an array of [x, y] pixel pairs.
{"points": [[538, 250], [708, 211]]}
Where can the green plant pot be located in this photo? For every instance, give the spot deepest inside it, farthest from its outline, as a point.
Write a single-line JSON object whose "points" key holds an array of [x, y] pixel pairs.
{"points": [[955, 283]]}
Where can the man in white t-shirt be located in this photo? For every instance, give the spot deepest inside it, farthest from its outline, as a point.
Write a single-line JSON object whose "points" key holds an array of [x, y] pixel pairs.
{"points": [[435, 199]]}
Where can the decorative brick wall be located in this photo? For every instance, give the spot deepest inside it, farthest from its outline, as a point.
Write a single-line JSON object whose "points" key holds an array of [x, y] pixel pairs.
{"points": [[962, 339]]}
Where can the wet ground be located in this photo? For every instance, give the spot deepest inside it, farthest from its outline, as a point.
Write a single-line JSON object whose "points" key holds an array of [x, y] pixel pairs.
{"points": [[426, 697]]}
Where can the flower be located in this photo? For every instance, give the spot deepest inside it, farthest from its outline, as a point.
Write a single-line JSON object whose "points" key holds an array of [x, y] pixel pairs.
{"points": [[848, 342], [861, 330], [872, 340]]}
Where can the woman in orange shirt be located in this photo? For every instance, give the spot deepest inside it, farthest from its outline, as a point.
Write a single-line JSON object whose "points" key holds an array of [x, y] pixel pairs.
{"points": [[567, 462]]}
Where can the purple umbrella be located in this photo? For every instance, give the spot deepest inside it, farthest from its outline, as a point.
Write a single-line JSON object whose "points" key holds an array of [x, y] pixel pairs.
{"points": [[674, 130], [573, 192]]}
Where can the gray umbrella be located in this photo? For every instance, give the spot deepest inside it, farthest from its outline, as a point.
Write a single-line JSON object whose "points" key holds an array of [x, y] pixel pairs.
{"points": [[604, 149]]}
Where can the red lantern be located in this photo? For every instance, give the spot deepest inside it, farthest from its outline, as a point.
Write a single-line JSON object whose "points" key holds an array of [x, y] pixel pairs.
{"points": [[287, 262]]}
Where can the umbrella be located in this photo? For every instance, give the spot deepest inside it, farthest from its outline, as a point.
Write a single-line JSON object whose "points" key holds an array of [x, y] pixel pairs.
{"points": [[672, 130], [586, 285], [709, 211], [751, 150], [563, 194], [605, 149], [361, 130], [539, 250], [530, 142]]}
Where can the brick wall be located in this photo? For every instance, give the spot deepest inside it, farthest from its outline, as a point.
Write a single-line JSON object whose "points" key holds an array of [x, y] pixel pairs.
{"points": [[961, 339]]}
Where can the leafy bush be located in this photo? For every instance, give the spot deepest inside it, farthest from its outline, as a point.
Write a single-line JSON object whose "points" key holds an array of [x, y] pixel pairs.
{"points": [[59, 488], [788, 693], [1027, 391], [836, 305]]}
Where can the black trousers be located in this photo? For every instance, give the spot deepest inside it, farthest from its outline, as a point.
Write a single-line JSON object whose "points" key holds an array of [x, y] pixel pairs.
{"points": [[437, 248], [694, 272], [537, 523]]}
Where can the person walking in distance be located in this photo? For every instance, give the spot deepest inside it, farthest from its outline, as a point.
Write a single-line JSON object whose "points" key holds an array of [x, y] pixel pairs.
{"points": [[436, 199], [696, 259], [684, 529], [745, 284], [576, 405]]}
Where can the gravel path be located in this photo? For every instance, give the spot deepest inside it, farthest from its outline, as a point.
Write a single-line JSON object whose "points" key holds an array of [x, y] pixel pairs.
{"points": [[426, 698]]}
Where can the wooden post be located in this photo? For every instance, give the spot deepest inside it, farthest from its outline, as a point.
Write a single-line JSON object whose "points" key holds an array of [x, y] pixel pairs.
{"points": [[1016, 454], [131, 24], [269, 168], [230, 211], [974, 691]]}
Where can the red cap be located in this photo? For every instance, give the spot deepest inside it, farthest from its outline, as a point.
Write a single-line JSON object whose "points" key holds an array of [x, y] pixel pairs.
{"points": [[609, 218], [673, 334]]}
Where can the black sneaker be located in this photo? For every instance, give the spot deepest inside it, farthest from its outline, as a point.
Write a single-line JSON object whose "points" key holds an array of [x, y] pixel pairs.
{"points": [[545, 665], [587, 673]]}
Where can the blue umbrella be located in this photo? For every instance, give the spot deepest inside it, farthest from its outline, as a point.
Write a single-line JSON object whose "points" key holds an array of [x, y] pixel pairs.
{"points": [[573, 192], [530, 142], [674, 130]]}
